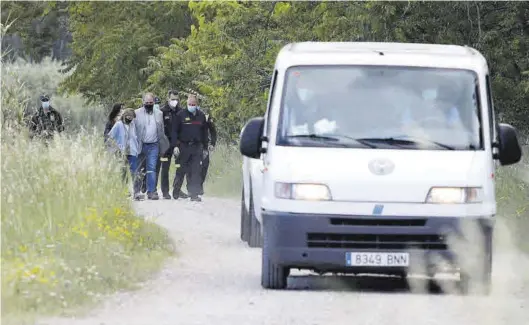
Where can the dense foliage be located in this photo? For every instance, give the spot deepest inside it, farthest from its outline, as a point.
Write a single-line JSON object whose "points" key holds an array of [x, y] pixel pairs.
{"points": [[225, 50]]}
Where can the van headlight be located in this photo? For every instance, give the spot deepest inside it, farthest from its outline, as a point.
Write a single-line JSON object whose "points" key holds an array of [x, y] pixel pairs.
{"points": [[302, 191], [455, 195]]}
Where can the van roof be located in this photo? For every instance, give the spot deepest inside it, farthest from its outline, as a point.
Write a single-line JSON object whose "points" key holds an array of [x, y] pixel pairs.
{"points": [[381, 52]]}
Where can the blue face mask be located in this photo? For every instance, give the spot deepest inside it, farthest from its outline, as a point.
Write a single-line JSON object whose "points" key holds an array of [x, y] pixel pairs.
{"points": [[192, 109], [156, 106], [45, 105]]}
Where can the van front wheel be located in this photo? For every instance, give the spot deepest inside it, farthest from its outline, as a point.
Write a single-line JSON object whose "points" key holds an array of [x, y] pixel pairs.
{"points": [[273, 276], [245, 222], [255, 239]]}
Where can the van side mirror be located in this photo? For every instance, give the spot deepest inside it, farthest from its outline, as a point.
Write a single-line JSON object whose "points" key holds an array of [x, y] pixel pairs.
{"points": [[251, 138], [510, 151]]}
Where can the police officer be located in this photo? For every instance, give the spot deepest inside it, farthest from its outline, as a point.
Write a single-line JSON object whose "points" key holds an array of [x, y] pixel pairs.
{"points": [[169, 110], [212, 140], [189, 139], [46, 120]]}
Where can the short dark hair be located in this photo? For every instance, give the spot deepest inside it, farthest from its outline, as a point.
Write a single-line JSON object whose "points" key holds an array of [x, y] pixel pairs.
{"points": [[172, 92]]}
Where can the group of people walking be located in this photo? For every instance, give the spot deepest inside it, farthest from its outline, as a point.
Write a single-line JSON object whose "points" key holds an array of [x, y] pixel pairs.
{"points": [[148, 138], [151, 136]]}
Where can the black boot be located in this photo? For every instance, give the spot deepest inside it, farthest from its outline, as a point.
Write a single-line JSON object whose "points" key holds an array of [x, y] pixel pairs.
{"points": [[152, 196]]}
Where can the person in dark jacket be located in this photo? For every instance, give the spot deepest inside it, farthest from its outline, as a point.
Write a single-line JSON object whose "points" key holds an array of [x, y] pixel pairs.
{"points": [[113, 117], [169, 110], [46, 121], [212, 140], [189, 138]]}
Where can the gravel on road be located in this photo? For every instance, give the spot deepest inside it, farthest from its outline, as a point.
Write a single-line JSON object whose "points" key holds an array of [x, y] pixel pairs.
{"points": [[215, 279]]}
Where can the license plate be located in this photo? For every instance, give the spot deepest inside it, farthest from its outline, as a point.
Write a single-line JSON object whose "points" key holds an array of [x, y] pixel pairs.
{"points": [[377, 259]]}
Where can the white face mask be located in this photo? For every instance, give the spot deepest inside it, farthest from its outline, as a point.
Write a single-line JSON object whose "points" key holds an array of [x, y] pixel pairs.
{"points": [[173, 102]]}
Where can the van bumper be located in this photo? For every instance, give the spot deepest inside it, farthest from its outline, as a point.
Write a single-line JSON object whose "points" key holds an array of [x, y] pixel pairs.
{"points": [[322, 243]]}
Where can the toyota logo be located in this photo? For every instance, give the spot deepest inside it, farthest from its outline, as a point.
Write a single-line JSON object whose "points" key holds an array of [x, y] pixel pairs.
{"points": [[381, 166]]}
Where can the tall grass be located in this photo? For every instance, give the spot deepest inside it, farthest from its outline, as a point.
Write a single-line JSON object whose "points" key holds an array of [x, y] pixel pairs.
{"points": [[69, 233]]}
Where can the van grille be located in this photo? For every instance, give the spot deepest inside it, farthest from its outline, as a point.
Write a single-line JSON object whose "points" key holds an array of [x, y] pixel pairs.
{"points": [[368, 241], [378, 222]]}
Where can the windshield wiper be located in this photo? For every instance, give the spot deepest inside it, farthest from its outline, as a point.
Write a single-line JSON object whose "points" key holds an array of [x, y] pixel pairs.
{"points": [[313, 136], [396, 140], [334, 138]]}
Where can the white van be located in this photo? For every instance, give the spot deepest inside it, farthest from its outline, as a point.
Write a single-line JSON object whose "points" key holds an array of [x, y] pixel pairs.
{"points": [[371, 158]]}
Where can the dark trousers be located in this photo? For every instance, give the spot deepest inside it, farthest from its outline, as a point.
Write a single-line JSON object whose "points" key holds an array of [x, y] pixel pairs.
{"points": [[204, 172], [164, 169], [189, 161]]}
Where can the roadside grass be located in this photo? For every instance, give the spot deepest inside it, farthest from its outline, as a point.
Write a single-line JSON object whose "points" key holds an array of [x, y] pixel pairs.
{"points": [[512, 188], [69, 233], [224, 178], [225, 172]]}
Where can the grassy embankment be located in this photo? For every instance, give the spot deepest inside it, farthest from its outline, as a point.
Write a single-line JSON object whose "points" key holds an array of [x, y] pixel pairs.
{"points": [[69, 233]]}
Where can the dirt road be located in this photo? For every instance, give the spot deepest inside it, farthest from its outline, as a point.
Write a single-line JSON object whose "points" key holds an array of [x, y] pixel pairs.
{"points": [[216, 280]]}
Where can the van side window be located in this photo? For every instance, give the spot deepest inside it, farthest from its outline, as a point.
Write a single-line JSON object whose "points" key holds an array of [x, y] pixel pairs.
{"points": [[269, 104], [490, 105]]}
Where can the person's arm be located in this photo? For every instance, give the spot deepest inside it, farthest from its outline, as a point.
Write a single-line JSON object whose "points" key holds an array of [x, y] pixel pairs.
{"points": [[114, 135], [175, 129], [166, 116], [205, 139], [33, 126], [60, 124], [212, 131]]}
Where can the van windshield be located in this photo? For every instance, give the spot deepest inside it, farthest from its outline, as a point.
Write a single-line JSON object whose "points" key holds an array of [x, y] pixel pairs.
{"points": [[381, 107]]}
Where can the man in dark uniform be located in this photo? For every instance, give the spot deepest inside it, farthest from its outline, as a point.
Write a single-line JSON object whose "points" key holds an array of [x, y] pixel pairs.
{"points": [[189, 139], [169, 110], [46, 120], [212, 140]]}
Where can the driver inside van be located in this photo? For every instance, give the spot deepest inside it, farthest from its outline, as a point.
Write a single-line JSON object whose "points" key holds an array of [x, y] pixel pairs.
{"points": [[306, 109], [438, 105]]}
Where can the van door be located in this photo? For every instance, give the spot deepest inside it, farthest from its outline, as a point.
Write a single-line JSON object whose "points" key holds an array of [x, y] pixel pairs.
{"points": [[259, 166]]}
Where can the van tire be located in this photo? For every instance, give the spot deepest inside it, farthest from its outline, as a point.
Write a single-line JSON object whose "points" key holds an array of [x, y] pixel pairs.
{"points": [[273, 276], [245, 221], [256, 239]]}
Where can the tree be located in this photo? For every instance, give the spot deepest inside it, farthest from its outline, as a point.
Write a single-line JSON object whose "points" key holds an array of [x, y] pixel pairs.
{"points": [[112, 43]]}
